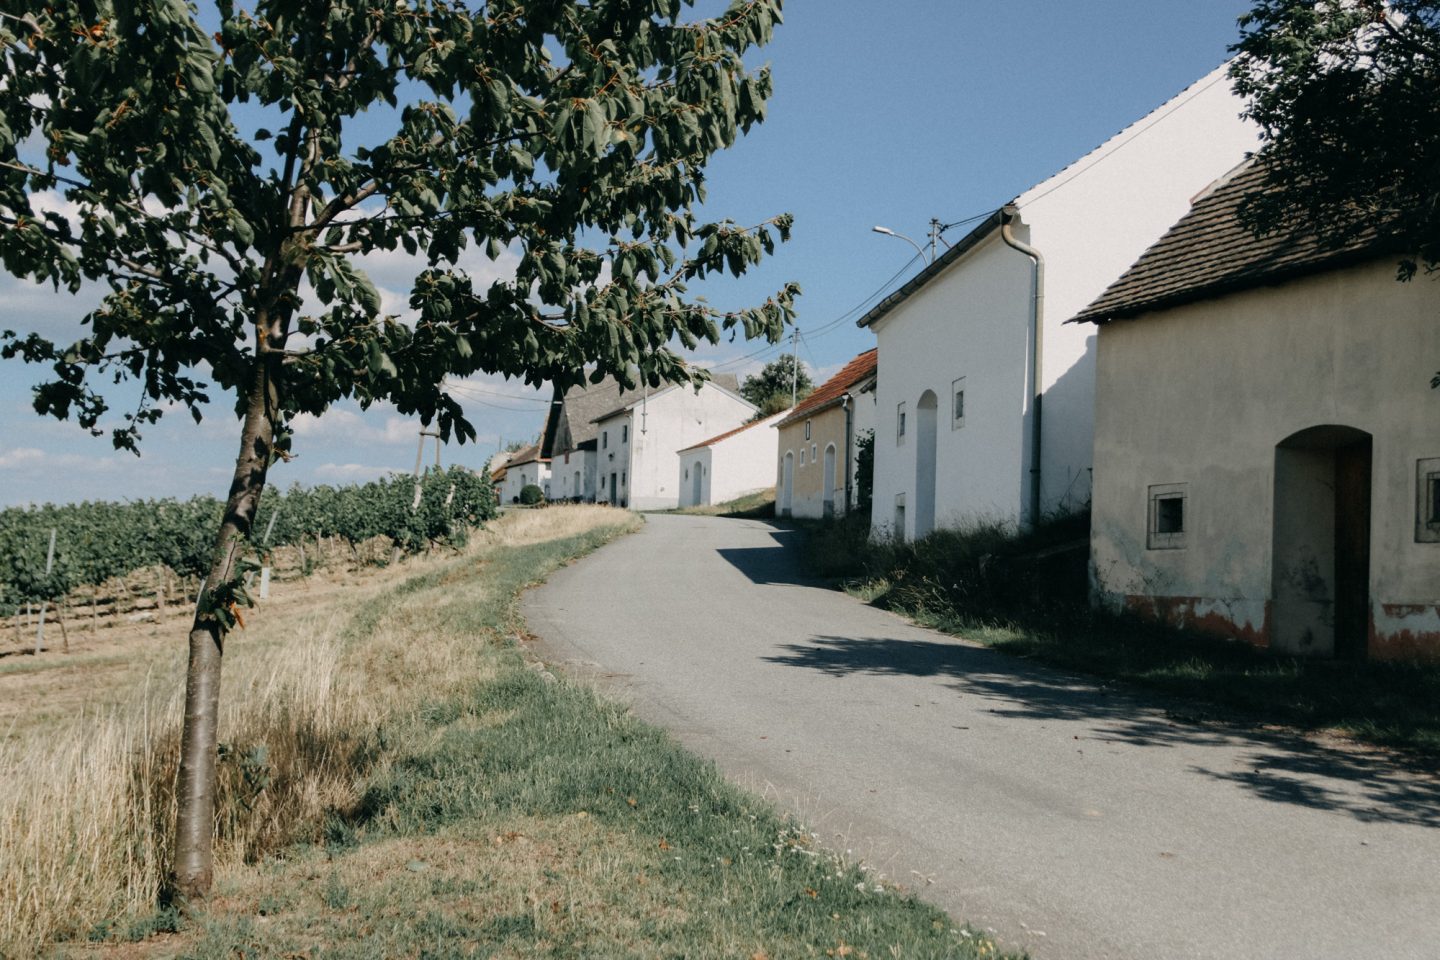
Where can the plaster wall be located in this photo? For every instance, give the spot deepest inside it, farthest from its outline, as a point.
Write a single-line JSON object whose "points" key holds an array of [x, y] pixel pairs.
{"points": [[666, 422], [1092, 221], [566, 467], [827, 429], [1202, 395], [612, 459], [517, 477], [970, 321], [733, 467]]}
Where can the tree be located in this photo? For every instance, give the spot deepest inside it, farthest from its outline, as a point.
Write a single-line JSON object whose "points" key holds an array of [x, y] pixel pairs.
{"points": [[1347, 94], [770, 389], [214, 176]]}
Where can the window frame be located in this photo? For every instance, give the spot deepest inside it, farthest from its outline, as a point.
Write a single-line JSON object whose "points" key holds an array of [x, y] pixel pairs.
{"points": [[957, 390], [1427, 500], [1155, 539], [900, 412]]}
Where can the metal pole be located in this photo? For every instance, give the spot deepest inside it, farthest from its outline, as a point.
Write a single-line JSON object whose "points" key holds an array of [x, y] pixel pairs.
{"points": [[794, 365]]}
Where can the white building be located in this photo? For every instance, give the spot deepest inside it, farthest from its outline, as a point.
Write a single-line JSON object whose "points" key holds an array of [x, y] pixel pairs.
{"points": [[523, 469], [637, 463], [571, 437], [725, 467], [1267, 442], [962, 431]]}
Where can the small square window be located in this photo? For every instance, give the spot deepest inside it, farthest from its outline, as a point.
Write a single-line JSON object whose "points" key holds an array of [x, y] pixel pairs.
{"points": [[604, 439], [1167, 520], [802, 456], [1427, 501], [807, 429], [900, 423], [813, 457], [957, 404], [624, 433]]}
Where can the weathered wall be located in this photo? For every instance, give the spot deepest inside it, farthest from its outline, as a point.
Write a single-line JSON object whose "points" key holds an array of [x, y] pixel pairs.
{"points": [[573, 475], [1203, 394], [827, 428]]}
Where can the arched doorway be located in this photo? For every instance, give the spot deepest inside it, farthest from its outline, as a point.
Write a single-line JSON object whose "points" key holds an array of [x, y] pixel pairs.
{"points": [[787, 482], [926, 422], [828, 481], [1320, 566]]}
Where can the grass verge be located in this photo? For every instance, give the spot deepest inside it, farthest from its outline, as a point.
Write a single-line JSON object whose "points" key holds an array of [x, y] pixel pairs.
{"points": [[753, 506], [1025, 595], [412, 784]]}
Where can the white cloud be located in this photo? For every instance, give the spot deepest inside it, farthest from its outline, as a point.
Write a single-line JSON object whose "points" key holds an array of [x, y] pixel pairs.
{"points": [[351, 472]]}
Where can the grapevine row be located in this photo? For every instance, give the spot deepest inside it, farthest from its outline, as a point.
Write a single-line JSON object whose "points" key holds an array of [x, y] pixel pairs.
{"points": [[95, 541]]}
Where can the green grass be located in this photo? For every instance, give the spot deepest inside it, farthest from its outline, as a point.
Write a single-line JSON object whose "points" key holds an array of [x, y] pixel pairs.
{"points": [[985, 585], [752, 506], [521, 815]]}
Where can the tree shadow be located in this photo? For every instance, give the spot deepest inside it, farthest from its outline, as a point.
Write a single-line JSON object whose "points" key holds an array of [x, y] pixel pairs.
{"points": [[1284, 767]]}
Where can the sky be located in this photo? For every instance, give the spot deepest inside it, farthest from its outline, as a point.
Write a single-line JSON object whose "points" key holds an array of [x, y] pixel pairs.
{"points": [[883, 114]]}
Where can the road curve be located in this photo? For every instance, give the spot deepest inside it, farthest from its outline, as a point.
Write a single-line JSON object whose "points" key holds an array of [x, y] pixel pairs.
{"points": [[1076, 822]]}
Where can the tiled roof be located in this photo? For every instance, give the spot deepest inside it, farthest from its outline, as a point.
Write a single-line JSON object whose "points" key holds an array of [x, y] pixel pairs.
{"points": [[530, 454], [1210, 252], [726, 381], [578, 411], [766, 422], [829, 393]]}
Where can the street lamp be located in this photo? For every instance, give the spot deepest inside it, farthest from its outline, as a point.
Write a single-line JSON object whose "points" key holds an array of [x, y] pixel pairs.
{"points": [[900, 236]]}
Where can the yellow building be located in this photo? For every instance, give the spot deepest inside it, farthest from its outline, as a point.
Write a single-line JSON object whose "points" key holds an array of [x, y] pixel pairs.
{"points": [[816, 472]]}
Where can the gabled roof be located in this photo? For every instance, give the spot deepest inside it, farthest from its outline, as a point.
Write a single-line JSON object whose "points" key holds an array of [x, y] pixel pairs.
{"points": [[574, 414], [725, 381], [829, 393], [993, 221], [530, 454], [1210, 252], [767, 422]]}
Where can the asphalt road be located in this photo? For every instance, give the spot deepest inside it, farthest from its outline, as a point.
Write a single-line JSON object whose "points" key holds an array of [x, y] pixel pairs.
{"points": [[1076, 822]]}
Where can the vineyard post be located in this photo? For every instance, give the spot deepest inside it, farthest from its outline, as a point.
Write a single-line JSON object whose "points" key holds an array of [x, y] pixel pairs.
{"points": [[265, 555], [49, 565]]}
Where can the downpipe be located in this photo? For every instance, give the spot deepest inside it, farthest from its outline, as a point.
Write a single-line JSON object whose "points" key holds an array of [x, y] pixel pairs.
{"points": [[1010, 214]]}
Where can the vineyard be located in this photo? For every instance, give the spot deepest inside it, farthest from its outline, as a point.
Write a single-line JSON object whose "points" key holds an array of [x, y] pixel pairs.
{"points": [[105, 552]]}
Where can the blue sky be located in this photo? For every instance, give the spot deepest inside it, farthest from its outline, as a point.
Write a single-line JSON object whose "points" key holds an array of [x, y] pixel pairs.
{"points": [[885, 114]]}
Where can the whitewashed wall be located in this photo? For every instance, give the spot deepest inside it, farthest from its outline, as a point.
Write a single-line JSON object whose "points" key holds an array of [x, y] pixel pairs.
{"points": [[1090, 221]]}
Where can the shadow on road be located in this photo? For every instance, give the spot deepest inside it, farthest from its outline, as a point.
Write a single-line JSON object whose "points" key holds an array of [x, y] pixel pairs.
{"points": [[1282, 768], [774, 564]]}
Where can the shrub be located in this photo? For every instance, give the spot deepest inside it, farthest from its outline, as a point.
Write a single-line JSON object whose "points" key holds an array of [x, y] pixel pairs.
{"points": [[530, 494]]}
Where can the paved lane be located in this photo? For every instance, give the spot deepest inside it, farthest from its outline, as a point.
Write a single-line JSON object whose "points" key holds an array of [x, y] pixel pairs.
{"points": [[1077, 822]]}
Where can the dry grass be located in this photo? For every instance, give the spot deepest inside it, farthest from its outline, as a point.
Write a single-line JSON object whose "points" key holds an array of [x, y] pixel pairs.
{"points": [[86, 799]]}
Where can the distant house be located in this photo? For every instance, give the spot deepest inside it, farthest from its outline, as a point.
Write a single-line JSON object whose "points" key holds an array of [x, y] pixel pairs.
{"points": [[815, 471], [731, 465], [571, 438], [637, 463], [985, 399], [1267, 443], [524, 468]]}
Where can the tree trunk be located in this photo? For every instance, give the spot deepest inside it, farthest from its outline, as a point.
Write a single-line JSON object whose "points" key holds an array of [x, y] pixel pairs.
{"points": [[195, 788]]}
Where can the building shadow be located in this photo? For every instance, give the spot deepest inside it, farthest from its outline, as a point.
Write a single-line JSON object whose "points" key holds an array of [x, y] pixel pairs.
{"points": [[1279, 766], [778, 563]]}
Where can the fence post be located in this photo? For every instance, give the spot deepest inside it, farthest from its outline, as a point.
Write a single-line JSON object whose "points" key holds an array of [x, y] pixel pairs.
{"points": [[49, 565]]}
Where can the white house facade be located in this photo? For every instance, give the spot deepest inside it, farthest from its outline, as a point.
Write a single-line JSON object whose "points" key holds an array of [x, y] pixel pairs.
{"points": [[525, 468], [1267, 444], [637, 459], [728, 466], [984, 397]]}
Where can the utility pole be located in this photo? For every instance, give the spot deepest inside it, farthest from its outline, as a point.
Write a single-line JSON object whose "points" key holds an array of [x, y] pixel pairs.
{"points": [[935, 228], [794, 365]]}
